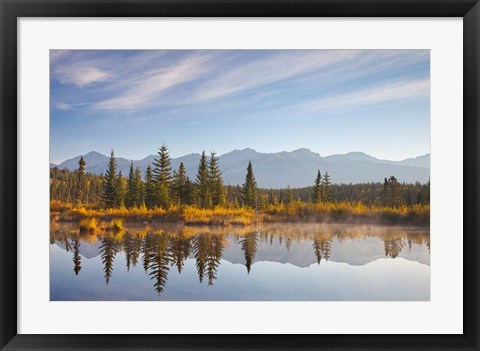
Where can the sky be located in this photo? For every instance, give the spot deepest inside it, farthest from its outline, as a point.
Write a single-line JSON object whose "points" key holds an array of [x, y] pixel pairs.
{"points": [[329, 101]]}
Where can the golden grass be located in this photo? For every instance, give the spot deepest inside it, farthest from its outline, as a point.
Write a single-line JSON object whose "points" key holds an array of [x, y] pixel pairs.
{"points": [[297, 211]]}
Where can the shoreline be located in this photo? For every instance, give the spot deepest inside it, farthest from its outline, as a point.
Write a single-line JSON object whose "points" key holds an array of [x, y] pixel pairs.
{"points": [[332, 213]]}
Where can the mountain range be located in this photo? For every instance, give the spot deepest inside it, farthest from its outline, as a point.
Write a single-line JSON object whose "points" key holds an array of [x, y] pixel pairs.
{"points": [[297, 168]]}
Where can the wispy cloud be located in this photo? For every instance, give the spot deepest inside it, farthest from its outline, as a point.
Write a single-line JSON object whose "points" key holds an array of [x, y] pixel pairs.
{"points": [[63, 106], [132, 80], [143, 93], [273, 68], [375, 94], [82, 76]]}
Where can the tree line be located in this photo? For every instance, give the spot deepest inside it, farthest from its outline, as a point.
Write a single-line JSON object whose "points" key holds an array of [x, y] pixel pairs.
{"points": [[163, 187]]}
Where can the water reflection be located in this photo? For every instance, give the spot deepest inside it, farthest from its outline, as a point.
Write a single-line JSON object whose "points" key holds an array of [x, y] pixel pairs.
{"points": [[162, 249]]}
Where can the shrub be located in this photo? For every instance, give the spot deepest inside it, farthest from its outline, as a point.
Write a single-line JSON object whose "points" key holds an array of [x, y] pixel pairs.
{"points": [[88, 225]]}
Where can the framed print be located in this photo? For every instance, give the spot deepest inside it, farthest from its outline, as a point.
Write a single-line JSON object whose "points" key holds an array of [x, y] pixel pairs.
{"points": [[262, 175]]}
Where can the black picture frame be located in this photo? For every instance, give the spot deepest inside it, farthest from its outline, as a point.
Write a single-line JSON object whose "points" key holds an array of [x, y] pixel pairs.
{"points": [[12, 10]]}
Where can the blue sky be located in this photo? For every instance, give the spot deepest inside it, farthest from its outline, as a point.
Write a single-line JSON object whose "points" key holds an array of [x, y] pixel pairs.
{"points": [[330, 101]]}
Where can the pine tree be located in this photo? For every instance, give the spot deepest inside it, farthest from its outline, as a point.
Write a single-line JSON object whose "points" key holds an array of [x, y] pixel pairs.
{"points": [[249, 190], [289, 196], [110, 184], [317, 189], [138, 197], [122, 189], [215, 181], [203, 198], [181, 187], [149, 189], [326, 188], [162, 175], [392, 192], [81, 183], [130, 197]]}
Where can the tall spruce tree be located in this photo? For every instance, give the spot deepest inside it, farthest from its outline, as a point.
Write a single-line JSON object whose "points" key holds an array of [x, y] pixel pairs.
{"points": [[150, 197], [122, 189], [326, 188], [162, 175], [134, 194], [182, 186], [138, 188], [130, 196], [317, 189], [215, 180], [249, 190], [81, 182], [110, 192], [392, 192], [203, 198]]}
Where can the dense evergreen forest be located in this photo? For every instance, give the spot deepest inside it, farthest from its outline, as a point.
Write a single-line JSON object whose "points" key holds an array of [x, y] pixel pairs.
{"points": [[162, 188]]}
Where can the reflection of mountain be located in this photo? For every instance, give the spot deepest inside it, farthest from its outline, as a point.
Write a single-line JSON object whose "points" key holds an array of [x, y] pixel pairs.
{"points": [[275, 170], [352, 251], [87, 249]]}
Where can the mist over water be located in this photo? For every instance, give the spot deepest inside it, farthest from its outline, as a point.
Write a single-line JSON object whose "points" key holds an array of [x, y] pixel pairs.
{"points": [[269, 262]]}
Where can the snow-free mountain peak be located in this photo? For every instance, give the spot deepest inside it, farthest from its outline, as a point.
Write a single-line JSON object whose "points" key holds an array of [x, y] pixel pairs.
{"points": [[297, 168]]}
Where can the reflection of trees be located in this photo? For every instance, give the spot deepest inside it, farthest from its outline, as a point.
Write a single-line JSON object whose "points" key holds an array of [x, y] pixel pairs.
{"points": [[214, 257], [147, 250], [160, 259], [393, 246], [322, 247], [180, 246], [77, 260], [137, 248], [131, 246], [317, 248], [326, 247], [288, 243], [207, 249], [65, 241], [249, 248], [108, 249]]}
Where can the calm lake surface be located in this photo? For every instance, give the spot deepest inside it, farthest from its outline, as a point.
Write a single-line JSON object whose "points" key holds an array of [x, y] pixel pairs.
{"points": [[268, 262]]}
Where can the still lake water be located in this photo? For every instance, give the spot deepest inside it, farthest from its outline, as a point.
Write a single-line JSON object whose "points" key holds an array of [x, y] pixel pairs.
{"points": [[270, 262]]}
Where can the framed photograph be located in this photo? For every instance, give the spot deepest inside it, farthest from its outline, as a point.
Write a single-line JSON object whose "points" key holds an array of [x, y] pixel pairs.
{"points": [[225, 175]]}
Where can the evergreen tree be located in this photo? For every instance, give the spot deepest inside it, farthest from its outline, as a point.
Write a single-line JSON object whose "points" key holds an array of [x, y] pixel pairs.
{"points": [[203, 198], [250, 188], [162, 175], [149, 188], [134, 196], [81, 184], [327, 188], [122, 189], [138, 200], [317, 189], [215, 180], [289, 195], [110, 184], [182, 187], [392, 192], [130, 196]]}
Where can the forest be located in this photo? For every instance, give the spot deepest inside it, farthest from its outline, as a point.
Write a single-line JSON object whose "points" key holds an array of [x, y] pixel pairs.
{"points": [[166, 195]]}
